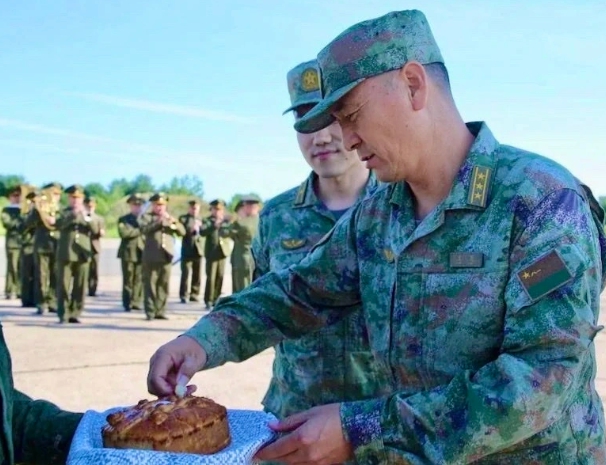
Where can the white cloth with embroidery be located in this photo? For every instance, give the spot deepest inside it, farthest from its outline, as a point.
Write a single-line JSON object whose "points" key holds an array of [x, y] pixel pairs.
{"points": [[249, 432]]}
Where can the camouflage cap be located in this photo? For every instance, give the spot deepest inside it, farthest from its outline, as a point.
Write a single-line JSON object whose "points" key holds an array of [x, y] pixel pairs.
{"points": [[160, 198], [303, 85], [75, 190], [368, 49]]}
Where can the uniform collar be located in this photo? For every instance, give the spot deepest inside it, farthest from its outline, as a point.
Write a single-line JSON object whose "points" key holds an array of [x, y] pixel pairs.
{"points": [[471, 188], [306, 195]]}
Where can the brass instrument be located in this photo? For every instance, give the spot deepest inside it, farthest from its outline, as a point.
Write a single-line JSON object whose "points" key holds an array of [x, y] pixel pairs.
{"points": [[25, 203], [47, 208]]}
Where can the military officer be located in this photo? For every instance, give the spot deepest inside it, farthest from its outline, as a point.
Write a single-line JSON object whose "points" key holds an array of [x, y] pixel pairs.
{"points": [[74, 254], [159, 229], [479, 269], [42, 219], [216, 250], [335, 363], [192, 251], [27, 268], [90, 204], [130, 253], [11, 220], [242, 231]]}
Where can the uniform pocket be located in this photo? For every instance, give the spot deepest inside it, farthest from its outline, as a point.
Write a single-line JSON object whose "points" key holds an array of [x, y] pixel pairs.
{"points": [[463, 316], [364, 377], [548, 454]]}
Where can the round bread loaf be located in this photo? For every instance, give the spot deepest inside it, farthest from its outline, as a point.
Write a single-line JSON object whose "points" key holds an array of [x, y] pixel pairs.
{"points": [[191, 424]]}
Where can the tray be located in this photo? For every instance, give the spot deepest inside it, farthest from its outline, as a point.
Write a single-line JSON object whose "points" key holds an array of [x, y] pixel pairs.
{"points": [[249, 432]]}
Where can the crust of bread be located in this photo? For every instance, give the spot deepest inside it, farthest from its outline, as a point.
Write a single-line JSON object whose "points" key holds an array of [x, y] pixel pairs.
{"points": [[195, 425]]}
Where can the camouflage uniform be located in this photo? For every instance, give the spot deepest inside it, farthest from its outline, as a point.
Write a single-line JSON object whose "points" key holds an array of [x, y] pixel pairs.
{"points": [[33, 431], [335, 363], [482, 316]]}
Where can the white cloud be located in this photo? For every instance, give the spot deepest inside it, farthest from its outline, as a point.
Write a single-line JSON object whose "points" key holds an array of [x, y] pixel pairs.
{"points": [[146, 105]]}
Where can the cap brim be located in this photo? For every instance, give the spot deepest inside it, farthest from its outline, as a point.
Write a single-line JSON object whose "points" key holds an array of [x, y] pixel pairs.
{"points": [[319, 116], [311, 101]]}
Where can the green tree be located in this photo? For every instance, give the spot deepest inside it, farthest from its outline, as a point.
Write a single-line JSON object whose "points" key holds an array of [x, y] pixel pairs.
{"points": [[95, 189], [9, 180], [141, 183], [185, 185]]}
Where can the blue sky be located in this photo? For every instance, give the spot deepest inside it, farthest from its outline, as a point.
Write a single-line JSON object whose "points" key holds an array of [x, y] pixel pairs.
{"points": [[94, 90]]}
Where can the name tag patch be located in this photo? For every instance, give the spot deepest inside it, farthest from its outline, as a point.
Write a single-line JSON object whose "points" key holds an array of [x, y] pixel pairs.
{"points": [[466, 260], [544, 275]]}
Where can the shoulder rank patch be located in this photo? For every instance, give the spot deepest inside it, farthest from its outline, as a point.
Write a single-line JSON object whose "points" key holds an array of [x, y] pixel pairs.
{"points": [[389, 255], [301, 194], [544, 275], [480, 185], [466, 260], [292, 244]]}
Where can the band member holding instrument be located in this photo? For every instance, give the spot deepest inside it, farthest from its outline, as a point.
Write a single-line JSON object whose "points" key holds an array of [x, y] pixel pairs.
{"points": [[192, 251], [42, 220], [74, 254], [159, 229], [93, 273], [130, 253], [11, 220]]}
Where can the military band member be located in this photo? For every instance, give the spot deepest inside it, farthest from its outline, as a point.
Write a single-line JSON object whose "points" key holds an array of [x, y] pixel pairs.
{"points": [[242, 231], [192, 251], [11, 220], [130, 254], [160, 229], [216, 251], [42, 219], [90, 204], [27, 268], [74, 254]]}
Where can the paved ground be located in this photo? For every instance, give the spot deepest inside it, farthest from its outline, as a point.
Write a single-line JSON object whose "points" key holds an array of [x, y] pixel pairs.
{"points": [[103, 362]]}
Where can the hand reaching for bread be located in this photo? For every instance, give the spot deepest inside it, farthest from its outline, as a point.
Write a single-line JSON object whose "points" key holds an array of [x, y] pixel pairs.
{"points": [[173, 365]]}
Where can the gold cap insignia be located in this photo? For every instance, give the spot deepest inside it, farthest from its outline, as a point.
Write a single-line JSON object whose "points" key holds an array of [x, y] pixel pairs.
{"points": [[292, 244], [310, 80]]}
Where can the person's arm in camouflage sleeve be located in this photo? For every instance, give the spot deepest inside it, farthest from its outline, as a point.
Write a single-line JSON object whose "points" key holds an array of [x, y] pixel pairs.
{"points": [[128, 231], [544, 354], [285, 304], [260, 251], [42, 432]]}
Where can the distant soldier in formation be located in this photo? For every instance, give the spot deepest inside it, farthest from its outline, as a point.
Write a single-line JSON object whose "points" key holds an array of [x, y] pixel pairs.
{"points": [[11, 220], [42, 219], [90, 204], [27, 268], [242, 231], [130, 254], [159, 229], [192, 251], [216, 250], [74, 254]]}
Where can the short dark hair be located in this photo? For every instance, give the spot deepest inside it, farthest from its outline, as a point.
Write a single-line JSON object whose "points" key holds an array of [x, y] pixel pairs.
{"points": [[438, 73]]}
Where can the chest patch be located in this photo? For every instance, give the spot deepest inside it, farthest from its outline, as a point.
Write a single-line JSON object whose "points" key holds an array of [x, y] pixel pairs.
{"points": [[544, 275], [292, 244]]}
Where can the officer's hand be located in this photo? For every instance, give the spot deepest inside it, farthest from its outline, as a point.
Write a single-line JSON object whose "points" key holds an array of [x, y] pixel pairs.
{"points": [[316, 437], [176, 362]]}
